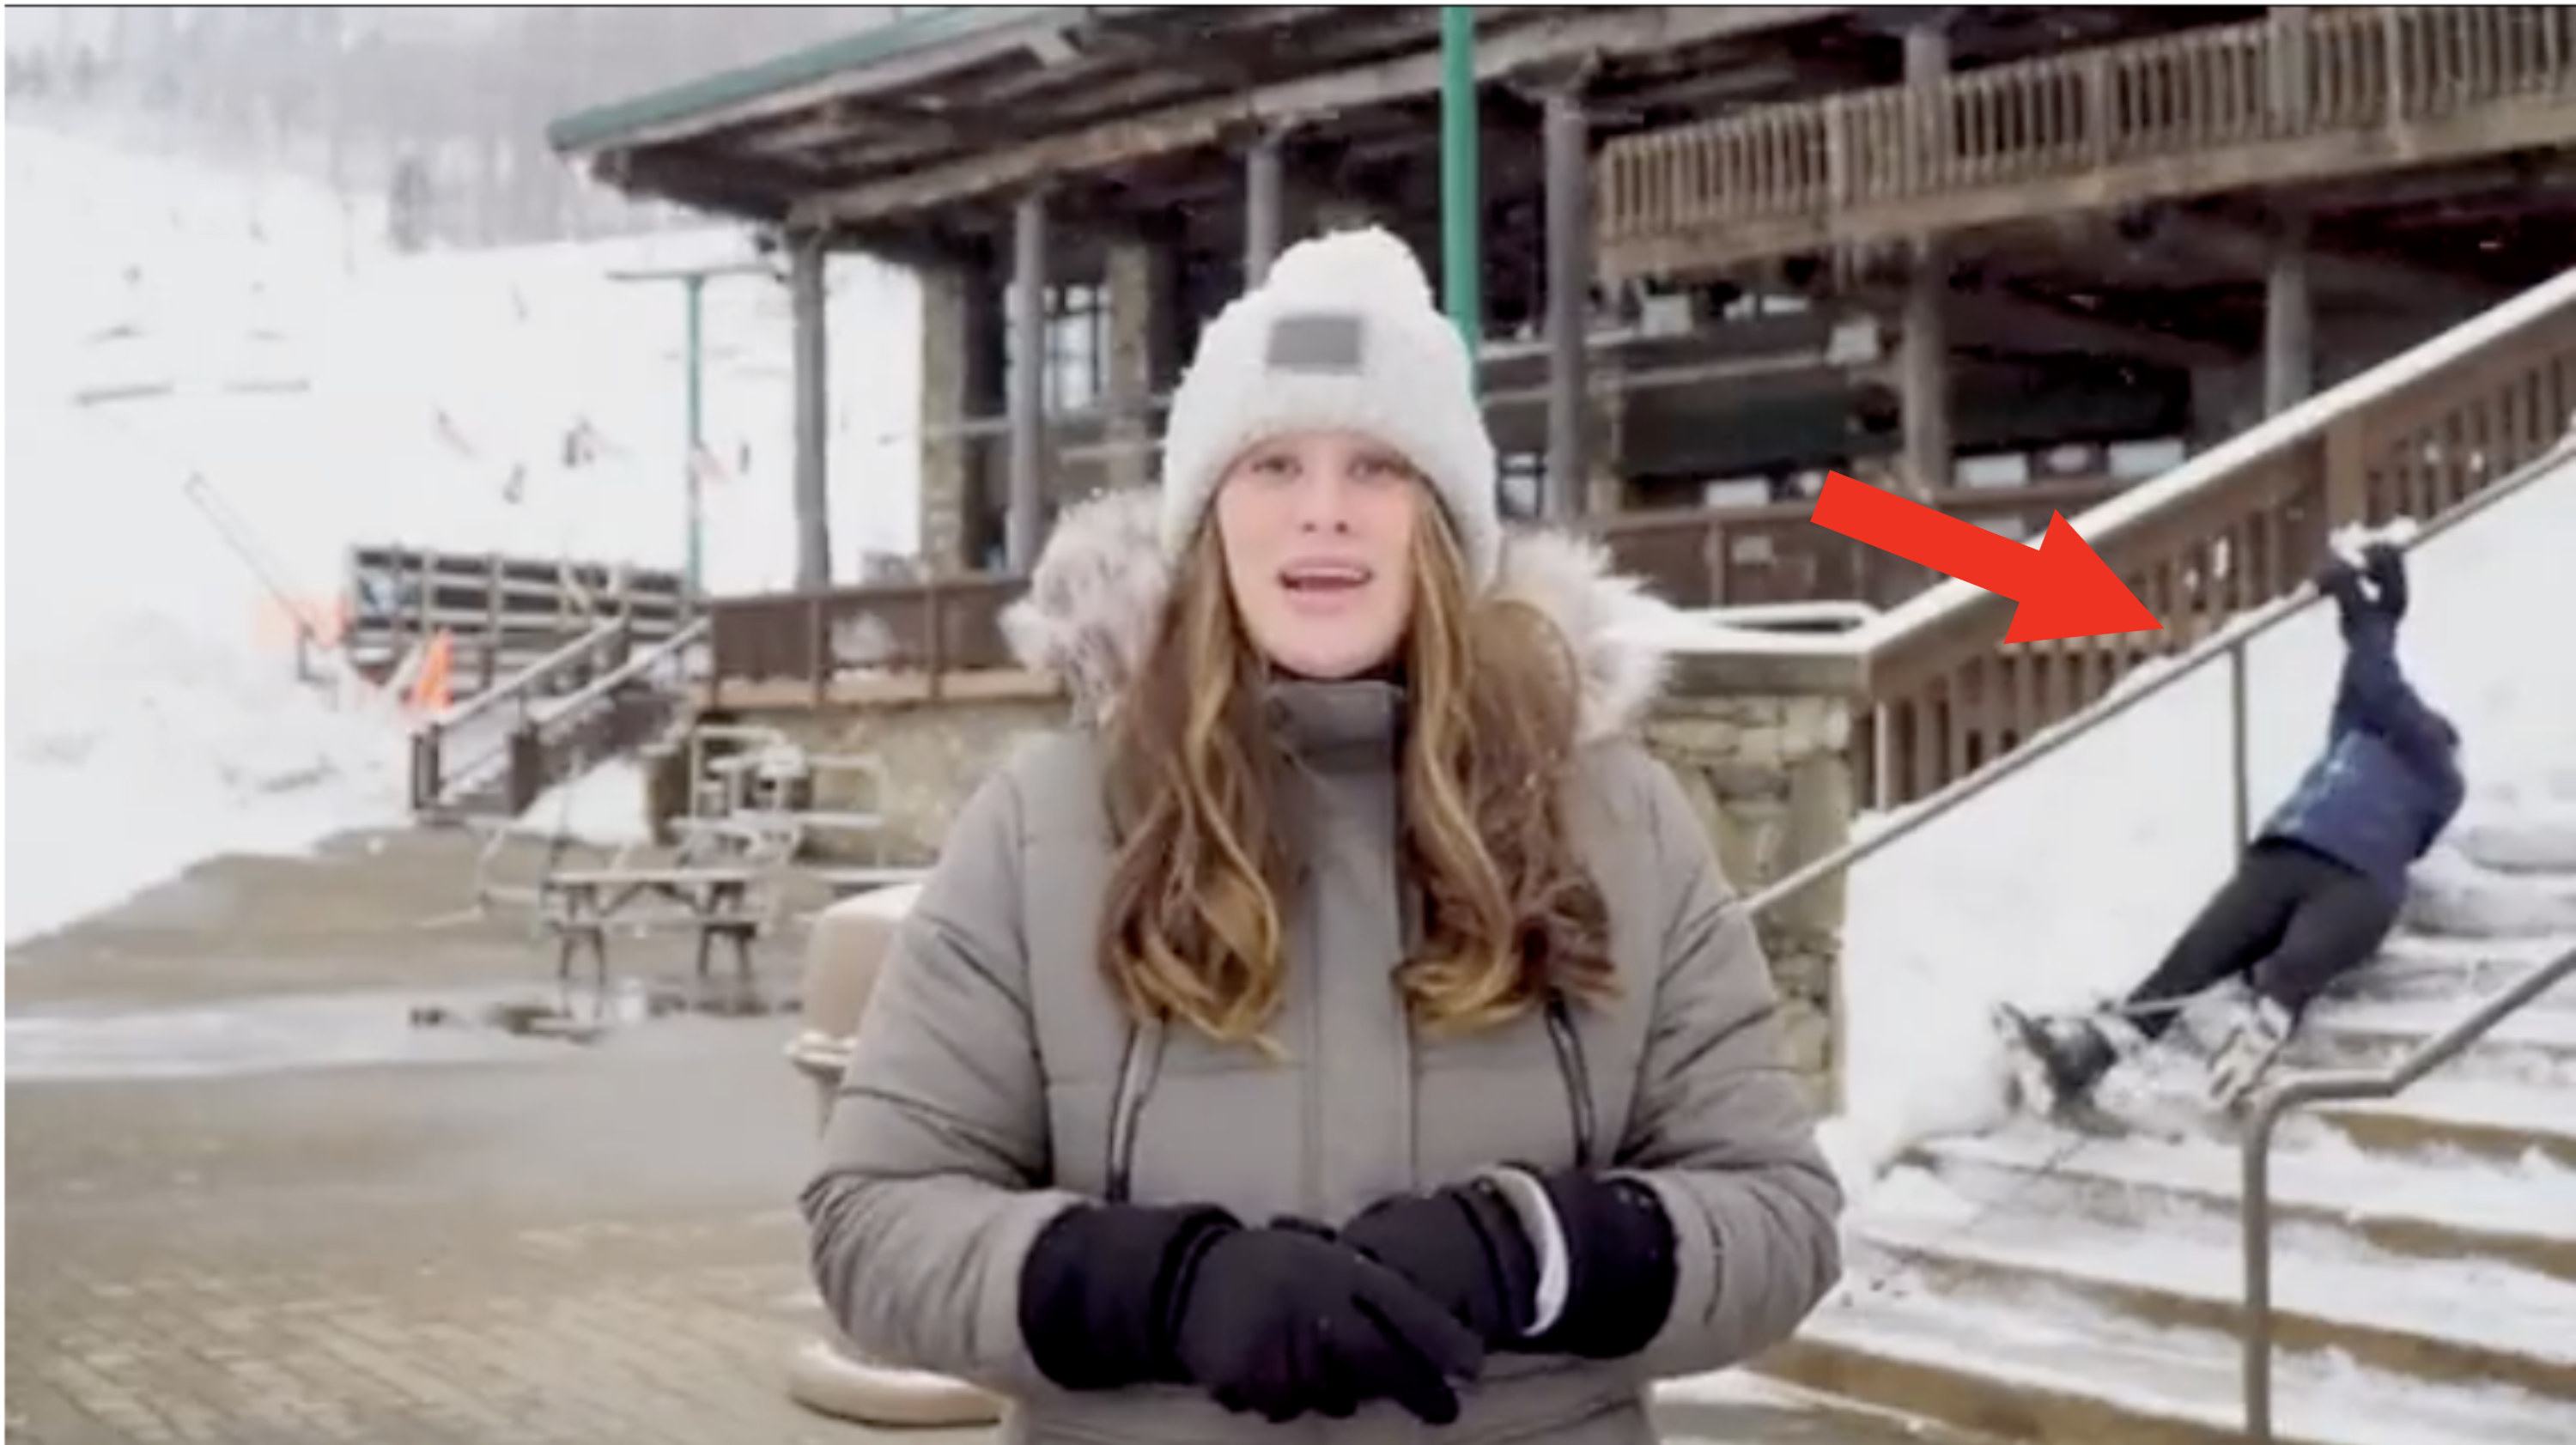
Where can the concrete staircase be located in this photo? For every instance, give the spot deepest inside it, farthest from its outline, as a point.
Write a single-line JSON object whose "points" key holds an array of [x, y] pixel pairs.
{"points": [[2033, 1285]]}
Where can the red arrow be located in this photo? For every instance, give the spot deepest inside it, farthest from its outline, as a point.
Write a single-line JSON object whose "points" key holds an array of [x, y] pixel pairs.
{"points": [[2064, 587]]}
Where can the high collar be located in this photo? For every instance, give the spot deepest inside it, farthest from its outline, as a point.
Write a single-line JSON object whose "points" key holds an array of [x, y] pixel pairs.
{"points": [[1098, 590]]}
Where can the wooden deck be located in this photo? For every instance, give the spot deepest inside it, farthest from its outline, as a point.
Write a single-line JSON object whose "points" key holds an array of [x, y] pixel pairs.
{"points": [[2303, 97]]}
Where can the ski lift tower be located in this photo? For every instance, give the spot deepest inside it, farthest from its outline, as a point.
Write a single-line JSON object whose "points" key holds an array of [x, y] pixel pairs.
{"points": [[693, 287]]}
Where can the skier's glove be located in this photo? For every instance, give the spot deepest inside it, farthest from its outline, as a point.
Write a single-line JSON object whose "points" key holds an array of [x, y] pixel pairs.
{"points": [[2385, 565]]}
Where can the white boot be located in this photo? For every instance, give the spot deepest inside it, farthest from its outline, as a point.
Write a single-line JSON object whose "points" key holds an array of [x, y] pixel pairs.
{"points": [[2244, 1056]]}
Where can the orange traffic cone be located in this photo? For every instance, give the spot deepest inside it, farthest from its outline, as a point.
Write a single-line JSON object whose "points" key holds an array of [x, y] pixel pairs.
{"points": [[429, 691]]}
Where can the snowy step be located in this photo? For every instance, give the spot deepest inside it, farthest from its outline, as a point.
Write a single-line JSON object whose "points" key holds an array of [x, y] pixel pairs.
{"points": [[2458, 970], [2458, 899], [2040, 1364], [2532, 839], [2383, 1311], [1741, 1406], [2498, 1121], [2534, 1045], [2522, 1215]]}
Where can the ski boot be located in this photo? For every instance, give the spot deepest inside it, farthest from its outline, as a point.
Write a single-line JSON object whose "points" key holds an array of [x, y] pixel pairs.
{"points": [[2060, 1060], [2245, 1054]]}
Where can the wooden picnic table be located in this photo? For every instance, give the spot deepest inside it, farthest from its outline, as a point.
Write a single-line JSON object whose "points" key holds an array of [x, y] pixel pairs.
{"points": [[580, 905]]}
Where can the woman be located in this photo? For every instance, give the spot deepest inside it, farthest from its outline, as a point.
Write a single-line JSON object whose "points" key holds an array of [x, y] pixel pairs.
{"points": [[1347, 1020]]}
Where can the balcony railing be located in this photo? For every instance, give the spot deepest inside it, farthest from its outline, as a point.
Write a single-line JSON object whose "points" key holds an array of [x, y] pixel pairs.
{"points": [[2298, 96]]}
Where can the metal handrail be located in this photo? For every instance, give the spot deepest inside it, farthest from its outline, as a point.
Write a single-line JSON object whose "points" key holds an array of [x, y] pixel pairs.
{"points": [[2340, 1086]]}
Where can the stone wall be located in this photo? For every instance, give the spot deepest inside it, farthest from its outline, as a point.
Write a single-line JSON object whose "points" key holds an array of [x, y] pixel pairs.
{"points": [[1761, 746], [933, 753], [1764, 754], [1130, 379], [946, 461]]}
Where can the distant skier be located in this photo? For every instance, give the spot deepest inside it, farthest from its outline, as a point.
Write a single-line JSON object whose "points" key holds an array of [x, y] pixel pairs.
{"points": [[2318, 890]]}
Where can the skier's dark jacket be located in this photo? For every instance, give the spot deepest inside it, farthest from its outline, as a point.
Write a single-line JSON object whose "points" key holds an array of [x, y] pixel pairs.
{"points": [[2389, 780]]}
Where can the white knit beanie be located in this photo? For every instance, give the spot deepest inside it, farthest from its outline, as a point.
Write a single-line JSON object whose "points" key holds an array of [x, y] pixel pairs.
{"points": [[1342, 336]]}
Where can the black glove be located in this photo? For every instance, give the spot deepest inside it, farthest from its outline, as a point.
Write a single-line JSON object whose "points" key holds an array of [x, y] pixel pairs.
{"points": [[2340, 580], [1464, 1247], [2386, 567], [1273, 1322]]}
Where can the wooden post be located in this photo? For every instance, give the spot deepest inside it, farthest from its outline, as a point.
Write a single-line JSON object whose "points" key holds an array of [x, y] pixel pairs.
{"points": [[2289, 321], [1569, 293], [1923, 364], [526, 773], [496, 605], [818, 645], [1022, 525], [813, 417], [1261, 198]]}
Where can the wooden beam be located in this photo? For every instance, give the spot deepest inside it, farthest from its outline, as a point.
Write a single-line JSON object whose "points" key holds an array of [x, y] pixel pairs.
{"points": [[908, 120], [2246, 248], [2011, 321], [1291, 102], [891, 71], [1148, 71], [753, 190]]}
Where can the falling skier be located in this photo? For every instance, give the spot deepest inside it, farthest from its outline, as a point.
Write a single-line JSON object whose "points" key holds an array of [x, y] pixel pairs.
{"points": [[2318, 889]]}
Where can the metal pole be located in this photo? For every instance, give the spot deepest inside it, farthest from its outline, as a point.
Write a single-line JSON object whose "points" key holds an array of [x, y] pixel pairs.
{"points": [[693, 587], [1461, 255], [693, 281]]}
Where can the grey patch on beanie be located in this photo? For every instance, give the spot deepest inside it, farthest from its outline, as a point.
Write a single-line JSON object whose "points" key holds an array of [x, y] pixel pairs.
{"points": [[1333, 343]]}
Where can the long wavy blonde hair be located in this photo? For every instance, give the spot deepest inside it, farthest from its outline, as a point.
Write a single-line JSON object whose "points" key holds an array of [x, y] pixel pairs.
{"points": [[1194, 928]]}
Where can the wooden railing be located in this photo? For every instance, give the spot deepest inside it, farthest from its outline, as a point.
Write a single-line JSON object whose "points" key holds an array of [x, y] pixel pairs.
{"points": [[2300, 95], [1748, 556], [605, 690], [1699, 557], [926, 629], [2412, 437], [501, 614]]}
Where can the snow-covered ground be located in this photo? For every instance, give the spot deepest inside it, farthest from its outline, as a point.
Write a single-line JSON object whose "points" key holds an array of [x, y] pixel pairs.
{"points": [[2066, 883], [604, 807], [168, 323]]}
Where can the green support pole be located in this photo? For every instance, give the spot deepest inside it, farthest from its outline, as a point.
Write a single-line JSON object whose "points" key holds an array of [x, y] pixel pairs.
{"points": [[696, 287], [693, 286], [1461, 234]]}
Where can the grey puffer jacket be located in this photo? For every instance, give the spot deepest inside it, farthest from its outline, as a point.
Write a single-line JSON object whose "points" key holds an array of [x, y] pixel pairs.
{"points": [[995, 1082]]}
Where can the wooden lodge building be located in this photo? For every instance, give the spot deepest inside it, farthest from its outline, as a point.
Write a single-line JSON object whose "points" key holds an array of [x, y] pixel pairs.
{"points": [[2006, 259]]}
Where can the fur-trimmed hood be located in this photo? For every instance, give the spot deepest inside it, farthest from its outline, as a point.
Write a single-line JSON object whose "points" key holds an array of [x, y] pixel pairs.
{"points": [[1099, 586]]}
